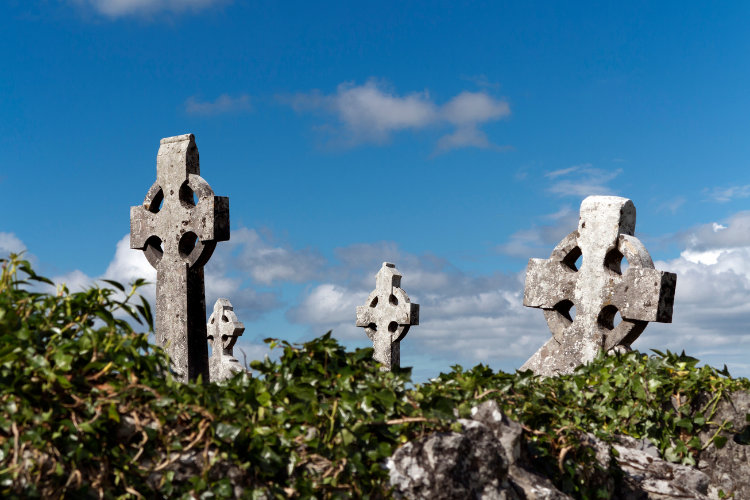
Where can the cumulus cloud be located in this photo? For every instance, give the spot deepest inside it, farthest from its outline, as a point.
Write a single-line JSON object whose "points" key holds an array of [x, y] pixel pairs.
{"points": [[248, 270], [712, 303], [464, 318], [372, 112], [222, 104], [713, 237], [470, 108], [266, 263], [125, 267], [122, 8], [468, 318]]}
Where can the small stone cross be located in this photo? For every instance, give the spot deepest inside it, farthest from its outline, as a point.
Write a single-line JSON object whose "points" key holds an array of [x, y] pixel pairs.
{"points": [[178, 234], [387, 316], [223, 330], [598, 290]]}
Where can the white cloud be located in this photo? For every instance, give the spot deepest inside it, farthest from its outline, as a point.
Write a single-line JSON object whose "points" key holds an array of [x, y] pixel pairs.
{"points": [[735, 233], [464, 319], [328, 305], [712, 303], [75, 281], [538, 241], [9, 243], [372, 113], [121, 8], [482, 81], [566, 171], [246, 255], [582, 180], [470, 108], [128, 264], [222, 104], [253, 255], [671, 205], [723, 195], [367, 107], [712, 300], [467, 136]]}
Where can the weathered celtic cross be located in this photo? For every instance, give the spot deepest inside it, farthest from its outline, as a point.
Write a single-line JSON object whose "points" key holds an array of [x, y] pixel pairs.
{"points": [[223, 330], [387, 316], [598, 290], [178, 235]]}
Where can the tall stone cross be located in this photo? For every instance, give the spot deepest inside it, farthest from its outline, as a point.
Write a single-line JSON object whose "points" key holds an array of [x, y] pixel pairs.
{"points": [[223, 330], [387, 316], [177, 227], [598, 290]]}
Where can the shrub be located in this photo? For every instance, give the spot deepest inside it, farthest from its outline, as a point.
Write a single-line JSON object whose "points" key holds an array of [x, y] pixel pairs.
{"points": [[87, 408]]}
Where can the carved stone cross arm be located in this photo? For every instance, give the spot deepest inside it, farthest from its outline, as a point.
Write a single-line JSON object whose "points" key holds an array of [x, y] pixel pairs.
{"points": [[387, 316], [223, 329], [177, 227], [599, 290]]}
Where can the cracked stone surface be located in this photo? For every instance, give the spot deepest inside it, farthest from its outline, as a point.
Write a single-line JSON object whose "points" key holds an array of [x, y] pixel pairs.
{"points": [[223, 330], [177, 227], [387, 316], [599, 290]]}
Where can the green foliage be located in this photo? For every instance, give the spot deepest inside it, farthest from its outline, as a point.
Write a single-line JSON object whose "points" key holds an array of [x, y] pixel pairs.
{"points": [[87, 408]]}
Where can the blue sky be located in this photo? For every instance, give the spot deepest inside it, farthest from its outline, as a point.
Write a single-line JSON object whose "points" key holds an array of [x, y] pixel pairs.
{"points": [[456, 139]]}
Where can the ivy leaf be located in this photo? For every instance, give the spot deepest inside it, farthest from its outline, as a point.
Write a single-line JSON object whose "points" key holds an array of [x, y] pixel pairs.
{"points": [[227, 432]]}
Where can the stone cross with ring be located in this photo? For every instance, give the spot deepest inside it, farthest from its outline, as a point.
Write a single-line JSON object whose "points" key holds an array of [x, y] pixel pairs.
{"points": [[177, 227], [387, 316], [598, 290], [223, 330]]}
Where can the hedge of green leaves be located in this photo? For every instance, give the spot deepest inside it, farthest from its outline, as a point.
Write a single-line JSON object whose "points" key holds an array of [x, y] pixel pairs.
{"points": [[87, 408]]}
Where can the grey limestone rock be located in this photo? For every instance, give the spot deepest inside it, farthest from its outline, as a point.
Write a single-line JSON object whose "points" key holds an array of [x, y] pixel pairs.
{"points": [[488, 460], [387, 316], [223, 330], [481, 462], [177, 227], [728, 467], [647, 476], [598, 290]]}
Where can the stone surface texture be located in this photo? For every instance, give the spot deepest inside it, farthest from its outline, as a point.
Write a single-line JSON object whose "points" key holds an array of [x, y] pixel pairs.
{"points": [[387, 316], [647, 476], [729, 467], [488, 460], [223, 330], [482, 461], [177, 227], [598, 290]]}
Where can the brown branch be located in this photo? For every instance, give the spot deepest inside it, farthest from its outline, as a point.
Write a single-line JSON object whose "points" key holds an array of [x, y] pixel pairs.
{"points": [[561, 457], [488, 391], [407, 420], [16, 437]]}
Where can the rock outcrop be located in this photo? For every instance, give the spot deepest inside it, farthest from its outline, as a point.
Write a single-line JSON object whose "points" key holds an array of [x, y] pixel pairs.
{"points": [[488, 459]]}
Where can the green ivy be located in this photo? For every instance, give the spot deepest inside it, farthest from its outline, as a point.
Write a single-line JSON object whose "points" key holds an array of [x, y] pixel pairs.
{"points": [[87, 408]]}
